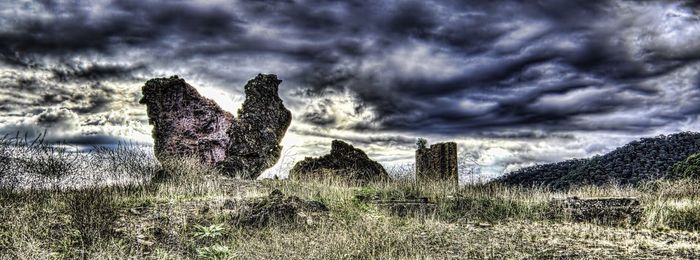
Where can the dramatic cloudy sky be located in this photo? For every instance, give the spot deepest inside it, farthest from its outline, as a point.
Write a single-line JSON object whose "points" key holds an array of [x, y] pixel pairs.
{"points": [[513, 82]]}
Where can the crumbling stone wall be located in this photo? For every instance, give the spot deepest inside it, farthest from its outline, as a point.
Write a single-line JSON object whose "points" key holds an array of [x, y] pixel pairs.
{"points": [[437, 163], [611, 211]]}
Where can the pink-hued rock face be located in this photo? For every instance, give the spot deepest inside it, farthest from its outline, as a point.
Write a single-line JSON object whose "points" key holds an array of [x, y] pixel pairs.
{"points": [[186, 123]]}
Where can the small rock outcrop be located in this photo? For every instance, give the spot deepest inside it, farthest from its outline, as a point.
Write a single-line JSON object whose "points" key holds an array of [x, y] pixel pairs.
{"points": [[344, 163], [437, 163], [276, 208], [186, 123]]}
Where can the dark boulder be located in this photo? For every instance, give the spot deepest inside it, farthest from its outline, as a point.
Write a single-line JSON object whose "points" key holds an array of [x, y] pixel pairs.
{"points": [[186, 123], [261, 125], [344, 163]]}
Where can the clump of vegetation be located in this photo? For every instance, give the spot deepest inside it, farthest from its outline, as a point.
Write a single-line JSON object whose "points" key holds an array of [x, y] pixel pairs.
{"points": [[688, 168], [215, 252], [36, 164], [422, 143], [92, 214], [684, 218]]}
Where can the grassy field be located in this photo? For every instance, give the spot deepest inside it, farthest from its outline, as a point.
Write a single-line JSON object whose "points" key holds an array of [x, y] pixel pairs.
{"points": [[181, 215], [178, 210]]}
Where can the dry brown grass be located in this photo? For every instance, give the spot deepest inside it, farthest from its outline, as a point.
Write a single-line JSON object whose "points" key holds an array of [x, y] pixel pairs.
{"points": [[167, 219]]}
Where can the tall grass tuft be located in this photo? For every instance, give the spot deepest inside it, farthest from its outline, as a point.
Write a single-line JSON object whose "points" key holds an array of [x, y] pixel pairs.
{"points": [[92, 214]]}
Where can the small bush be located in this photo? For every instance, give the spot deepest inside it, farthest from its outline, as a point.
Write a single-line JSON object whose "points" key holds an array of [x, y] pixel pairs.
{"points": [[208, 232], [33, 163], [215, 252], [687, 218]]}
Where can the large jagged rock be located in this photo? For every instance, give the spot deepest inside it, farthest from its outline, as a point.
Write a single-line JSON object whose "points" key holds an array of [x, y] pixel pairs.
{"points": [[261, 124], [344, 163], [186, 123]]}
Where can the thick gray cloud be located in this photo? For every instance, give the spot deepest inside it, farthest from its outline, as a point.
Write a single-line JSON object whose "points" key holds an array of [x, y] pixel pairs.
{"points": [[547, 70]]}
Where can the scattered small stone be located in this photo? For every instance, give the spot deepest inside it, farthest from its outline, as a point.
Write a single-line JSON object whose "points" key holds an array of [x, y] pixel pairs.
{"points": [[144, 242], [483, 225]]}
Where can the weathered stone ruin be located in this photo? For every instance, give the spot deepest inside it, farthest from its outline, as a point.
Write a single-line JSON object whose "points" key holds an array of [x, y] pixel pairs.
{"points": [[186, 123], [344, 163], [610, 211], [437, 163]]}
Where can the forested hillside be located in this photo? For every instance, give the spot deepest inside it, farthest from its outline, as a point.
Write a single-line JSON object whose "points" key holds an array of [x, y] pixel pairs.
{"points": [[642, 160]]}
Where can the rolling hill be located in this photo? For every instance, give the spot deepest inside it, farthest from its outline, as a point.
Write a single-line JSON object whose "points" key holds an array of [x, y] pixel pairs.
{"points": [[641, 160]]}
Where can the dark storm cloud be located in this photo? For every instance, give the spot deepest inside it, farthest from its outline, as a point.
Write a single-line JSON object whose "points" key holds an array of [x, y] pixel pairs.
{"points": [[428, 67], [72, 27], [504, 44], [95, 72], [33, 92]]}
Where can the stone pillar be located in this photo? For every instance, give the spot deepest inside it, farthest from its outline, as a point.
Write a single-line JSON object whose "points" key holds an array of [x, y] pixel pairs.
{"points": [[437, 163]]}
